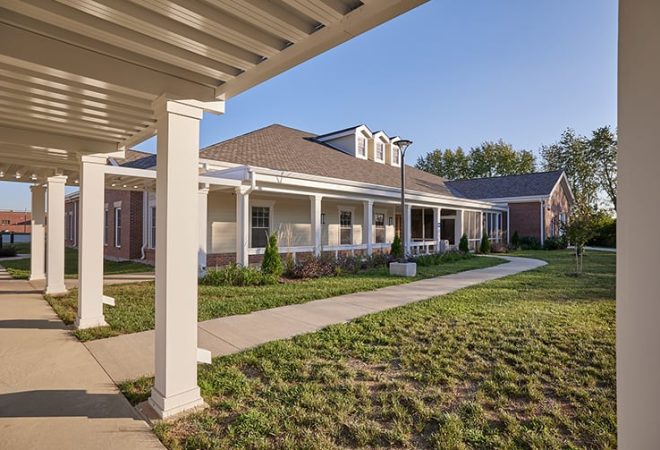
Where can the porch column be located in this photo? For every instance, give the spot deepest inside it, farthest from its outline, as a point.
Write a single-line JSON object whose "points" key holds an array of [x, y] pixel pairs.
{"points": [[38, 234], [368, 225], [637, 280], [316, 225], [242, 226], [203, 198], [90, 253], [408, 232], [437, 213], [175, 386], [55, 241], [458, 227]]}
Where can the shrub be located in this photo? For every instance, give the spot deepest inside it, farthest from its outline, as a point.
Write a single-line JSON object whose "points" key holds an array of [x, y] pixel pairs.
{"points": [[272, 262], [484, 247], [396, 250], [314, 267], [8, 251], [377, 260], [555, 243], [498, 247], [464, 245], [529, 243], [605, 232], [434, 259], [235, 275], [515, 240], [349, 264]]}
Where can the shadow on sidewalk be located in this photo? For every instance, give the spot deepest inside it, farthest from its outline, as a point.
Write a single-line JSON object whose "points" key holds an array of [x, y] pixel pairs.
{"points": [[36, 324]]}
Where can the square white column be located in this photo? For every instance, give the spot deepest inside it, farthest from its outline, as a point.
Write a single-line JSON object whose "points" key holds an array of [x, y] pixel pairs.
{"points": [[242, 226], [38, 234], [458, 227], [437, 220], [175, 387], [55, 243], [316, 226], [408, 231], [203, 197], [368, 225], [90, 251]]}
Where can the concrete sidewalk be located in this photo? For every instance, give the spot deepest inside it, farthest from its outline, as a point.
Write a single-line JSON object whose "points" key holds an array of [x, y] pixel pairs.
{"points": [[131, 356], [53, 393]]}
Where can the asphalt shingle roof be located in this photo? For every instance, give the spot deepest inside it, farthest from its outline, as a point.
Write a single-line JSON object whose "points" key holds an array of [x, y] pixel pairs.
{"points": [[282, 148], [507, 186], [138, 159]]}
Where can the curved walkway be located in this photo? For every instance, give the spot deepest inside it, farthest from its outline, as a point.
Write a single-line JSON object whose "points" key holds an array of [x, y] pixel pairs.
{"points": [[131, 356]]}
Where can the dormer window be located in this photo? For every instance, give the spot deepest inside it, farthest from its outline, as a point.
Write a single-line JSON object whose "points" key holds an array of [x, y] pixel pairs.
{"points": [[395, 155], [380, 151], [362, 147]]}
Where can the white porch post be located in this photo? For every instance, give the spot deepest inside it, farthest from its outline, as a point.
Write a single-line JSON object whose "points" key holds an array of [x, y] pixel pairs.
{"points": [[175, 386], [315, 203], [637, 280], [55, 241], [242, 226], [203, 197], [437, 213], [458, 227], [368, 225], [408, 231], [90, 254], [38, 234]]}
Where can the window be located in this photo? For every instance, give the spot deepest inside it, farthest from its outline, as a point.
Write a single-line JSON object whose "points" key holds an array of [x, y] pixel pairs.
{"points": [[395, 155], [105, 226], [260, 226], [153, 227], [362, 146], [379, 222], [5, 222], [380, 151], [493, 225], [345, 227], [117, 227], [69, 226]]}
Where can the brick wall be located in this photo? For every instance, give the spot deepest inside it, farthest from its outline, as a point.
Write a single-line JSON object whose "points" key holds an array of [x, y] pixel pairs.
{"points": [[131, 224], [15, 221], [526, 219], [557, 205]]}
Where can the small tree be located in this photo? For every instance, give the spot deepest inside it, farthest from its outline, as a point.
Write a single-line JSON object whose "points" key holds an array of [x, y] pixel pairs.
{"points": [[515, 240], [272, 262], [484, 247], [579, 229], [464, 245], [396, 250]]}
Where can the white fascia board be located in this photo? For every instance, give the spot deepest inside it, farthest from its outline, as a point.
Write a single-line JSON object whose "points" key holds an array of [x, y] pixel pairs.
{"points": [[525, 199], [564, 178], [151, 174]]}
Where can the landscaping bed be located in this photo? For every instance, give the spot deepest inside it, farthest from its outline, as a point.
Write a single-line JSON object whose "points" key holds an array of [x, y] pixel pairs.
{"points": [[134, 310], [527, 361]]}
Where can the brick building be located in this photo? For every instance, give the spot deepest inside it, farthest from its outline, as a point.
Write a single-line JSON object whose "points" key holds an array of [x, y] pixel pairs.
{"points": [[15, 221]]}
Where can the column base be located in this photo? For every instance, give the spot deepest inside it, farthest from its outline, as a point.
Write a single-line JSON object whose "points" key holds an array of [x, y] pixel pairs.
{"points": [[57, 291], [90, 322], [166, 407], [37, 277]]}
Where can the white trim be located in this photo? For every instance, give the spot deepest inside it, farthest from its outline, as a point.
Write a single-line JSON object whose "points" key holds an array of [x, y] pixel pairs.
{"points": [[270, 204], [115, 217]]}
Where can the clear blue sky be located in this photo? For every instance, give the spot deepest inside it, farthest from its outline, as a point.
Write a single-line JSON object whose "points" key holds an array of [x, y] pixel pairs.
{"points": [[450, 73]]}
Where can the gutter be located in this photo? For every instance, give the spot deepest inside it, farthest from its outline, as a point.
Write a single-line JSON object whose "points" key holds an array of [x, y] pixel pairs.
{"points": [[145, 228]]}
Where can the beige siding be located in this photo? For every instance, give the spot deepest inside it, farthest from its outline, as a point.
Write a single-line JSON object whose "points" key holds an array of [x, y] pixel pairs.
{"points": [[222, 222]]}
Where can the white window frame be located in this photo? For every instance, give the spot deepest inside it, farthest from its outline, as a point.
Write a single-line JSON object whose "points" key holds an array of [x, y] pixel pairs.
{"points": [[117, 226], [106, 225], [270, 205], [361, 146], [351, 211], [379, 151], [396, 155], [382, 228]]}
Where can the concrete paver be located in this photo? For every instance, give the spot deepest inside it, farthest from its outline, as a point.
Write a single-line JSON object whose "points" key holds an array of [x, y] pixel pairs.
{"points": [[53, 393], [131, 356]]}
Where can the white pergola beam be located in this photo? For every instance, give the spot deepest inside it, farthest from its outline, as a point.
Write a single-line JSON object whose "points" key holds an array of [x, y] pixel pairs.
{"points": [[31, 137]]}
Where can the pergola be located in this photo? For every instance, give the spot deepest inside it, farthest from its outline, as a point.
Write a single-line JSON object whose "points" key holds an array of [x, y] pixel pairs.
{"points": [[81, 80]]}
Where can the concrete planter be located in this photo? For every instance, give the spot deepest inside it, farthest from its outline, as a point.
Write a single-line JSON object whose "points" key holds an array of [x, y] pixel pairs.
{"points": [[403, 269]]}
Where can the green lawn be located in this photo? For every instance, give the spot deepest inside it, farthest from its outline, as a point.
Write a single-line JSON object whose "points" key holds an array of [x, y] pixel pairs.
{"points": [[134, 310], [20, 268], [523, 362]]}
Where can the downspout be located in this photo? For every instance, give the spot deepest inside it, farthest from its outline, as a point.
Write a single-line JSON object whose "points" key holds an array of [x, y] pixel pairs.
{"points": [[542, 222], [145, 228]]}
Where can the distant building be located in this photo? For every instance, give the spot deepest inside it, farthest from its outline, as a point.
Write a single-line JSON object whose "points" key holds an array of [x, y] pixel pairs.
{"points": [[15, 221]]}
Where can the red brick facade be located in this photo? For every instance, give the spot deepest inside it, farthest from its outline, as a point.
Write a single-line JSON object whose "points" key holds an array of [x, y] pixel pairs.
{"points": [[526, 217], [15, 221]]}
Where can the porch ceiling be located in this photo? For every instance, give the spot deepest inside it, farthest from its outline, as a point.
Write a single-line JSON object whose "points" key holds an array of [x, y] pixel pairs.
{"points": [[80, 76]]}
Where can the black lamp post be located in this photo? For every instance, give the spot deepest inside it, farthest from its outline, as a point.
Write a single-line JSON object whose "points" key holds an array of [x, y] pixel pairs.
{"points": [[403, 145]]}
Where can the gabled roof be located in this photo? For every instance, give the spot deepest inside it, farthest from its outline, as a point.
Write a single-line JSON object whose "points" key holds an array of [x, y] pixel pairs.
{"points": [[511, 186], [138, 159], [282, 148]]}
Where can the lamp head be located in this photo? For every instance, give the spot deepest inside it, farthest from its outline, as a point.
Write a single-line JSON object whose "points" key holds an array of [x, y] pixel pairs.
{"points": [[403, 144]]}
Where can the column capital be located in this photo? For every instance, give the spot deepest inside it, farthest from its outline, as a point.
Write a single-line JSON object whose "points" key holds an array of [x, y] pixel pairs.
{"points": [[243, 190], [316, 197], [204, 189], [101, 158], [59, 179], [368, 202], [37, 187], [189, 108]]}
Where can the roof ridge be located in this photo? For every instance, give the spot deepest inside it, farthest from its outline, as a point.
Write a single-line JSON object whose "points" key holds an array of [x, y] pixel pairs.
{"points": [[508, 176]]}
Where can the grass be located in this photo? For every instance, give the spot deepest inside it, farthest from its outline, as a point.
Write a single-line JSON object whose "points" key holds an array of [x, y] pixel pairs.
{"points": [[134, 310], [20, 268], [527, 361]]}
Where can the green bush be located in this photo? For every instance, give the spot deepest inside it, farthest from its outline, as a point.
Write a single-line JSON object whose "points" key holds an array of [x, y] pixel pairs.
{"points": [[435, 259], [235, 275], [605, 232], [555, 243], [396, 250], [8, 251], [515, 240], [484, 247], [314, 267], [529, 243], [272, 262], [464, 245]]}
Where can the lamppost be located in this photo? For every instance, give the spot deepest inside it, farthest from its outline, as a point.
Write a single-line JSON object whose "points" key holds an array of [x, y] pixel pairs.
{"points": [[403, 145]]}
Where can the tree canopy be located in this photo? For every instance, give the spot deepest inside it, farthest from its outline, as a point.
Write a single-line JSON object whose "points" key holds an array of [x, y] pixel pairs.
{"points": [[487, 160]]}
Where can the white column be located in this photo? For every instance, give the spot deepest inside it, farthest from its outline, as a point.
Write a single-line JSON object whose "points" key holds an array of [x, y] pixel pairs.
{"points": [[38, 234], [368, 225], [90, 251], [55, 241], [175, 386], [316, 226], [458, 227], [637, 281], [438, 236], [242, 226], [408, 231], [203, 197]]}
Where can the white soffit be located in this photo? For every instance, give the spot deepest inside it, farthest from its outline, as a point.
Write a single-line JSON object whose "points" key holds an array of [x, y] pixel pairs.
{"points": [[81, 75]]}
